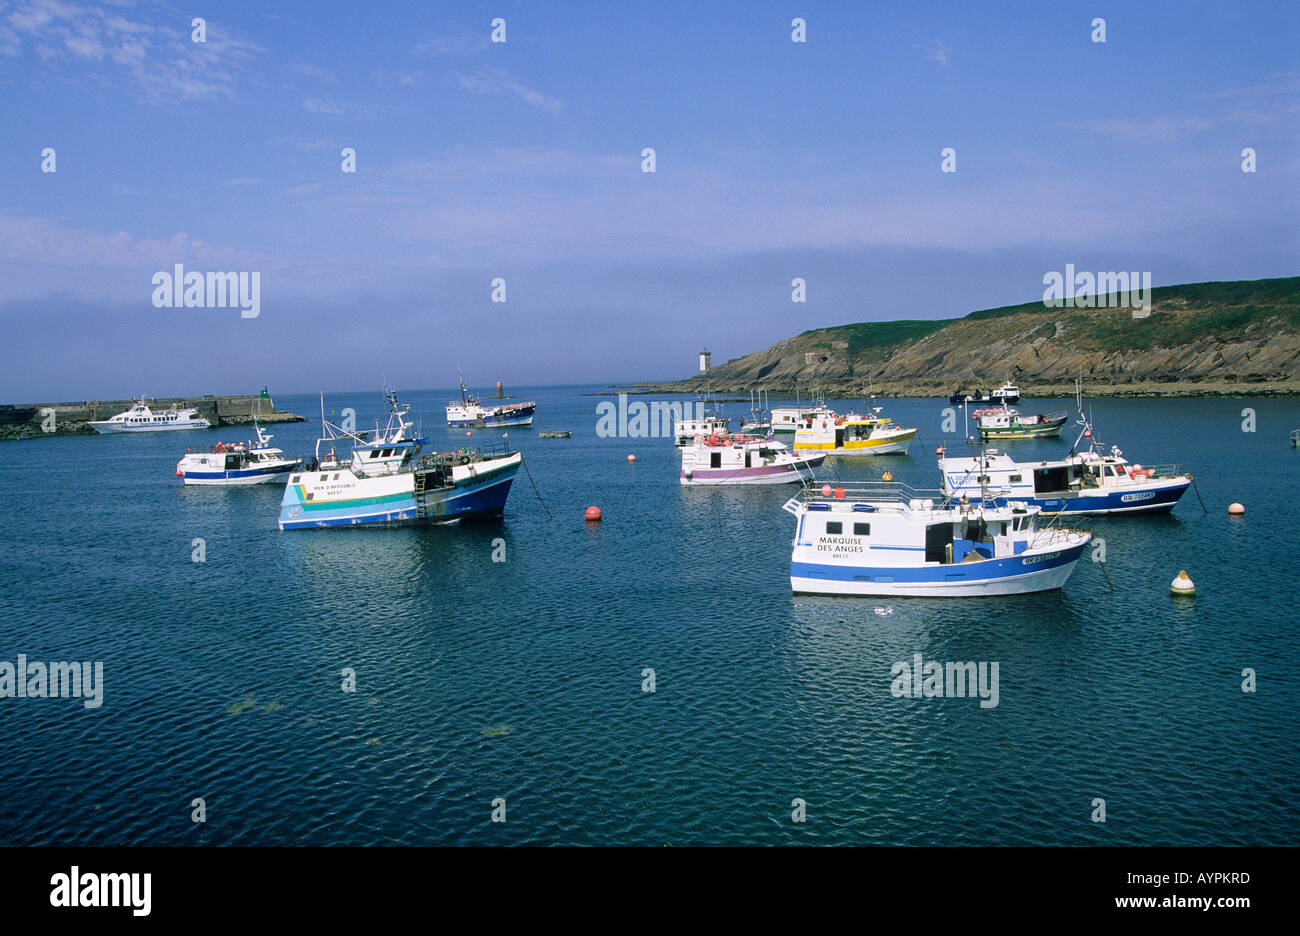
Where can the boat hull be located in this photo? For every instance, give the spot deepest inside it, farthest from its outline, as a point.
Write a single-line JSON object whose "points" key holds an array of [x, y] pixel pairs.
{"points": [[1011, 575], [1047, 430], [1152, 499], [796, 471], [897, 445], [244, 477], [104, 427]]}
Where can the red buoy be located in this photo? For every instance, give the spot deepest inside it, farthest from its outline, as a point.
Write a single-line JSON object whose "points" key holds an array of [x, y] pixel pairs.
{"points": [[593, 513], [839, 493]]}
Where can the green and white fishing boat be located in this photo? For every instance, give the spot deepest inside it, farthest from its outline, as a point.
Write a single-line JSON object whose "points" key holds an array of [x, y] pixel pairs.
{"points": [[1001, 423]]}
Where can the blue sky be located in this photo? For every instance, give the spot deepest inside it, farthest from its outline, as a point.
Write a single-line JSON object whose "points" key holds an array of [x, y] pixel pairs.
{"points": [[522, 160]]}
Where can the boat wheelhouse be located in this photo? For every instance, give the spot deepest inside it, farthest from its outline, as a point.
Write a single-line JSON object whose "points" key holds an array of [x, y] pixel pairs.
{"points": [[1000, 423], [724, 459], [238, 463], [886, 539], [786, 419], [384, 480], [470, 413], [141, 418], [853, 434], [686, 431]]}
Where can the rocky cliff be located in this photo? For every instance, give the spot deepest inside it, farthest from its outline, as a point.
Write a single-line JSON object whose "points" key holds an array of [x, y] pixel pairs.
{"points": [[1208, 338]]}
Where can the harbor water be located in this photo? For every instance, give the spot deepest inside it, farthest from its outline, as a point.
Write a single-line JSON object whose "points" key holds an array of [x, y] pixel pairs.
{"points": [[648, 679]]}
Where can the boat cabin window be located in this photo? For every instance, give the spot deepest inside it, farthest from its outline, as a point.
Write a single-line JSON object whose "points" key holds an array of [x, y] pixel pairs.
{"points": [[862, 529], [715, 459], [834, 527], [1015, 479]]}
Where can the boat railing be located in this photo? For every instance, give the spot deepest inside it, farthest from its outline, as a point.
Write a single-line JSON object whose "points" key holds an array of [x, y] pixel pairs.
{"points": [[875, 491], [1056, 536], [1153, 471]]}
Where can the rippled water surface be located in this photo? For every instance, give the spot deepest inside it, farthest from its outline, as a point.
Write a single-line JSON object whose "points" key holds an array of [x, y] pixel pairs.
{"points": [[523, 679]]}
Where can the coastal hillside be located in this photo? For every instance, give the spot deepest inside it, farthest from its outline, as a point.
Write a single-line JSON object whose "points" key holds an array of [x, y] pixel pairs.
{"points": [[1230, 338]]}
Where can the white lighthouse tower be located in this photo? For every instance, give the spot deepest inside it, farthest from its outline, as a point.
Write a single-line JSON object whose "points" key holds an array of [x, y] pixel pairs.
{"points": [[706, 357]]}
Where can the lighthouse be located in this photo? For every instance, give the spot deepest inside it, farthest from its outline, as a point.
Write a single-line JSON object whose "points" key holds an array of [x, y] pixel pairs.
{"points": [[705, 358]]}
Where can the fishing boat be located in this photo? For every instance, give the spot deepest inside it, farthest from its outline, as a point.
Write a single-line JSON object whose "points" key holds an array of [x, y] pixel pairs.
{"points": [[853, 434], [384, 480], [786, 419], [141, 418], [470, 413], [999, 423], [686, 431], [759, 420], [238, 463], [886, 539], [726, 459], [1007, 394], [1088, 480]]}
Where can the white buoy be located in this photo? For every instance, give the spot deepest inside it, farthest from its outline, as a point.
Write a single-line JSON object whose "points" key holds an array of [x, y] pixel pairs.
{"points": [[1182, 585]]}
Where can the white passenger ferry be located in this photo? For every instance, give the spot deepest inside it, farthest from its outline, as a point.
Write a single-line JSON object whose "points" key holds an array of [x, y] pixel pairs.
{"points": [[140, 418]]}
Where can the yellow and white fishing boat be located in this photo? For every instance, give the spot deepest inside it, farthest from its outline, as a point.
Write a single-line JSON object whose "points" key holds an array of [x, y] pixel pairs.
{"points": [[852, 434]]}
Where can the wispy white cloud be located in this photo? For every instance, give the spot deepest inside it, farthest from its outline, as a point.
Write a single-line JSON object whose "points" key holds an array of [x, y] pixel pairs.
{"points": [[497, 81], [459, 43], [936, 50], [152, 54]]}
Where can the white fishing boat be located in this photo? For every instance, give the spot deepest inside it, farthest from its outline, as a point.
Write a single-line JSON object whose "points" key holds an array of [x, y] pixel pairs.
{"points": [[686, 431], [725, 459], [238, 463], [1087, 481], [786, 419], [759, 420], [853, 434], [472, 413], [384, 480], [887, 539], [142, 418]]}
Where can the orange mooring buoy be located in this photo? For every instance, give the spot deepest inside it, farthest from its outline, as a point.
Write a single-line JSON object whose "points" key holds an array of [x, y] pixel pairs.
{"points": [[1236, 509], [468, 433], [887, 477], [631, 458], [593, 512], [826, 490], [839, 493]]}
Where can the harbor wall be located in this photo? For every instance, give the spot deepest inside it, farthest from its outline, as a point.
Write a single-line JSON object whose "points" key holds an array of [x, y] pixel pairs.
{"points": [[74, 417]]}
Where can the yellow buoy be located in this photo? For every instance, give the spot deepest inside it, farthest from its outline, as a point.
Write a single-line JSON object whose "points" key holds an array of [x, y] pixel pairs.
{"points": [[1182, 585], [887, 477]]}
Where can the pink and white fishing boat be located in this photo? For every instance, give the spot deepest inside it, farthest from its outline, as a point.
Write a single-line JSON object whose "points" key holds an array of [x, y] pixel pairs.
{"points": [[735, 459]]}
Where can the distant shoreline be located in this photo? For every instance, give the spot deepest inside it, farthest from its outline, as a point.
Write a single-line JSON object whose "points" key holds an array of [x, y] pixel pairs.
{"points": [[1150, 390]]}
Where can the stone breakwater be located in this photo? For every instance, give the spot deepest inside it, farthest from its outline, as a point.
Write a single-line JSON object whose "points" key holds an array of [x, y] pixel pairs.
{"points": [[43, 420]]}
